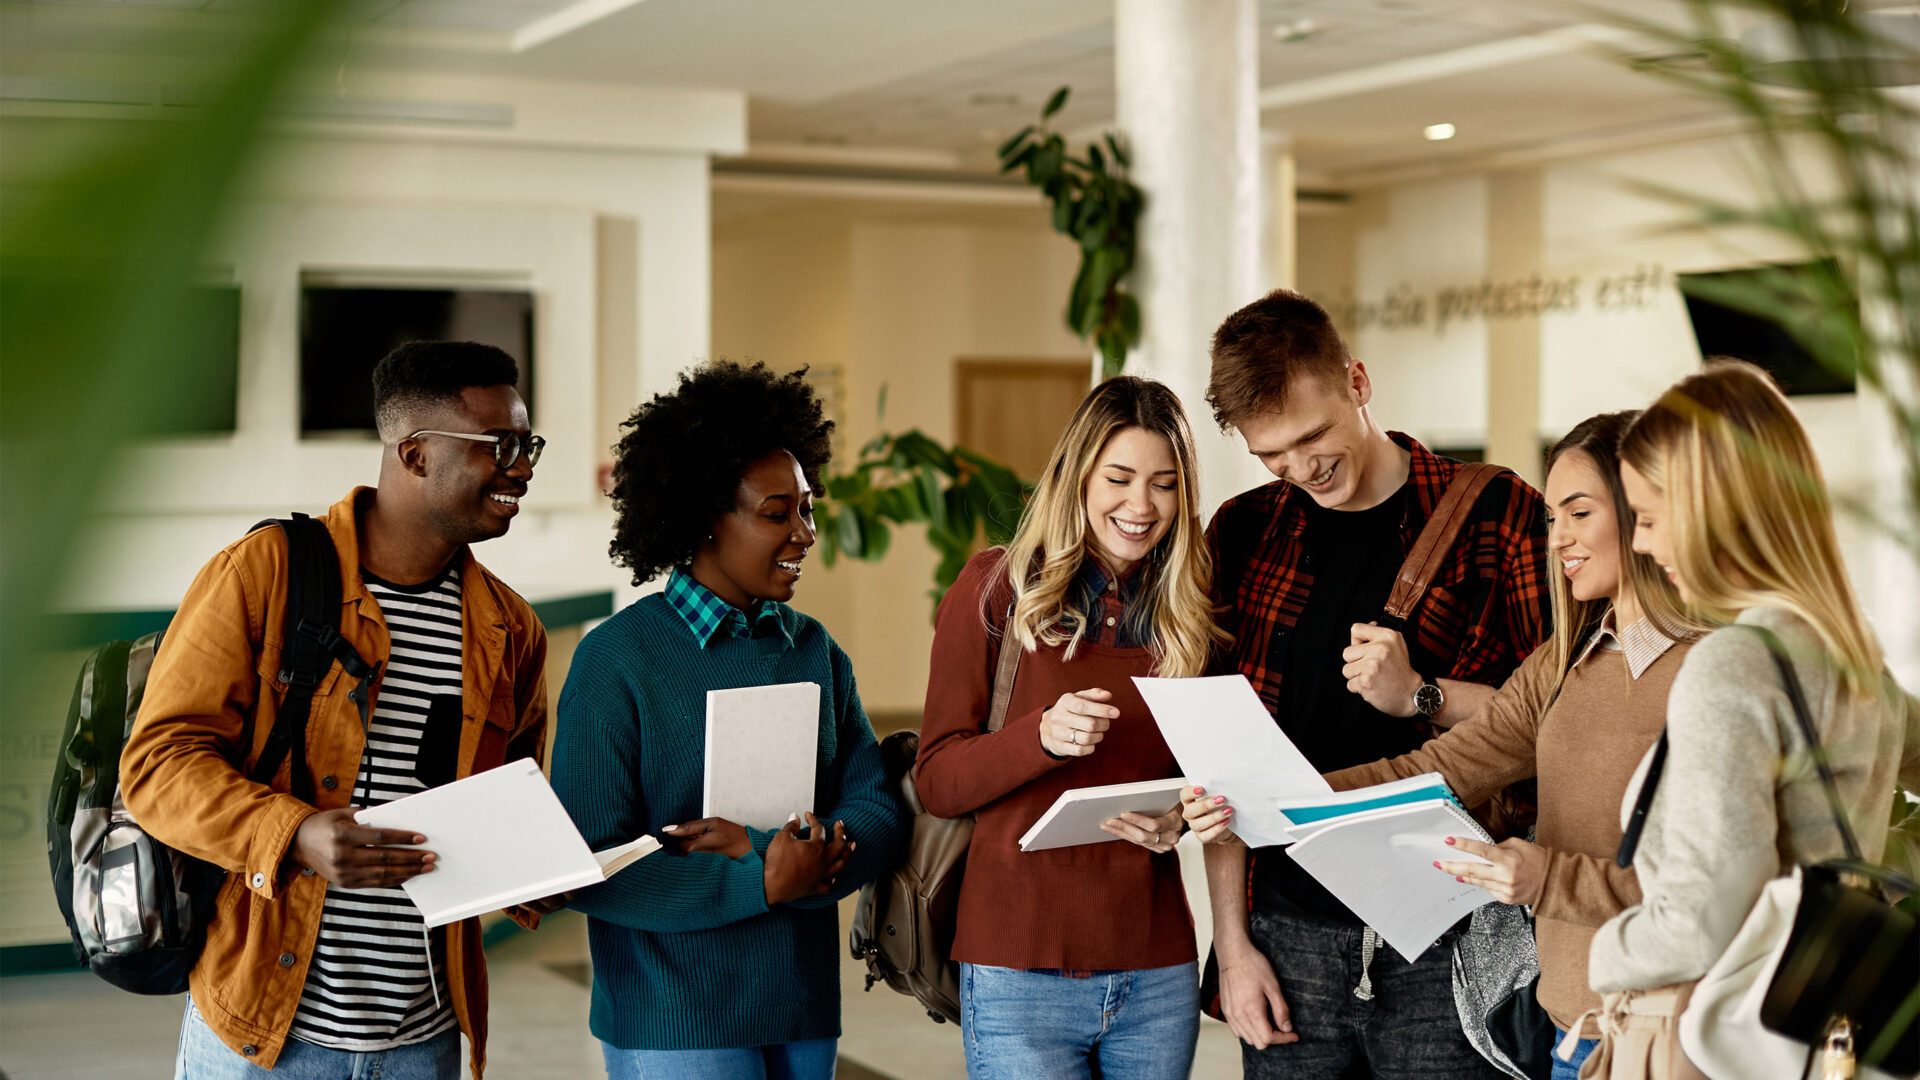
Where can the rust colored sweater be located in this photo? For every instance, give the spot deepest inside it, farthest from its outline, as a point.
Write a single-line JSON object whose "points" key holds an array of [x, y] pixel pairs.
{"points": [[1583, 747], [1096, 907]]}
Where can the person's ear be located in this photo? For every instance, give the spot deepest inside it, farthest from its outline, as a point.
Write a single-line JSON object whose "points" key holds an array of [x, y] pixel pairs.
{"points": [[1358, 384], [412, 454]]}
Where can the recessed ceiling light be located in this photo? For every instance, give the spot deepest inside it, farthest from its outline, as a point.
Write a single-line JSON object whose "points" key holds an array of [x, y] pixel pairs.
{"points": [[1438, 132]]}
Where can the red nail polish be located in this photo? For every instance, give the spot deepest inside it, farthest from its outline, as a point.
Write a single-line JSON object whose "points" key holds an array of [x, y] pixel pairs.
{"points": [[1461, 880], [1449, 841], [1436, 864], [1218, 799]]}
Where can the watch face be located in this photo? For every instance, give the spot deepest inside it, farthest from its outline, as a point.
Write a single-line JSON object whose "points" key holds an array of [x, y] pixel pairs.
{"points": [[1428, 699]]}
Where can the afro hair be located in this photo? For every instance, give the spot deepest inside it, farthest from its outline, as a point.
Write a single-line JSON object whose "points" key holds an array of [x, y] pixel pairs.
{"points": [[678, 467]]}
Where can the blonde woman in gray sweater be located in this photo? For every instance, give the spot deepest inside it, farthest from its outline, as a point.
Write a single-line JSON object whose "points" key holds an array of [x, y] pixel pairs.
{"points": [[1728, 497]]}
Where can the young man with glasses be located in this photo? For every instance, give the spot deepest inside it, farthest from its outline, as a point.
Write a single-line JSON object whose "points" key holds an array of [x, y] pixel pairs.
{"points": [[316, 964]]}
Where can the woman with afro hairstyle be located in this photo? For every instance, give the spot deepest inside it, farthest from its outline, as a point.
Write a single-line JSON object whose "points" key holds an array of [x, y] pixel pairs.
{"points": [[718, 957]]}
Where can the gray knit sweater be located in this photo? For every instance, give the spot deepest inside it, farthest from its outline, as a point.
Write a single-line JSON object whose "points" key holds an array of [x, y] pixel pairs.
{"points": [[1740, 802]]}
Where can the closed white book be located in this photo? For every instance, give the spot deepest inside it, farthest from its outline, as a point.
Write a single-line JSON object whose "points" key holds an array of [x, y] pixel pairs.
{"points": [[1075, 817], [1380, 864], [762, 746], [502, 838]]}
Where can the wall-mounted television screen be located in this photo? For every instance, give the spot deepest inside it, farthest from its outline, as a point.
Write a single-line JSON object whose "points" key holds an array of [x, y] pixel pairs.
{"points": [[345, 330], [1721, 306]]}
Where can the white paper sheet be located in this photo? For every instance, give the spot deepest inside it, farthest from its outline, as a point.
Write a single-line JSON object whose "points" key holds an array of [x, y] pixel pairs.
{"points": [[501, 838], [1075, 817], [762, 743], [1227, 743], [1380, 864]]}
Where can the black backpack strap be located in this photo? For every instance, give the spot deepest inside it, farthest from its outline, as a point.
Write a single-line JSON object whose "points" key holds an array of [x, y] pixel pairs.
{"points": [[312, 644], [1637, 821]]}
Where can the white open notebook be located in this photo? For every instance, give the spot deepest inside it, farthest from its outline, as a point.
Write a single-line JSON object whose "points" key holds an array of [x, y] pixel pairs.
{"points": [[1075, 817], [1379, 862], [762, 743], [502, 838]]}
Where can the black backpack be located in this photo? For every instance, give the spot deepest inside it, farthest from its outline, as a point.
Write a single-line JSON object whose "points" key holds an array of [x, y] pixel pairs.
{"points": [[136, 908]]}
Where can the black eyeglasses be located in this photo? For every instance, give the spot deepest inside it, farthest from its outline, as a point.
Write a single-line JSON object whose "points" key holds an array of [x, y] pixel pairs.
{"points": [[506, 448]]}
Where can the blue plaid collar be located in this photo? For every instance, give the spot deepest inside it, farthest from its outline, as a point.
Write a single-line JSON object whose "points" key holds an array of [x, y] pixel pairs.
{"points": [[709, 617]]}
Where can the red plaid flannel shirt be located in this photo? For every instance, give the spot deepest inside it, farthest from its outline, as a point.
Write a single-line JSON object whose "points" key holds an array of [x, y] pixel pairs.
{"points": [[1486, 609]]}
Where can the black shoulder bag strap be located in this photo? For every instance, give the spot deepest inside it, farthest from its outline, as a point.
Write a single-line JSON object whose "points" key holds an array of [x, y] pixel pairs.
{"points": [[312, 644], [1803, 717]]}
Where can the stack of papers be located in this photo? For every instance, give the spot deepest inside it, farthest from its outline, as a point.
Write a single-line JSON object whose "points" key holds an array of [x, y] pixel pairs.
{"points": [[1227, 742], [502, 838], [1075, 817], [1374, 849]]}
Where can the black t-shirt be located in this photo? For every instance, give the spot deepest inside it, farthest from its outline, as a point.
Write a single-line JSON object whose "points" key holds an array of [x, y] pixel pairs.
{"points": [[1353, 556]]}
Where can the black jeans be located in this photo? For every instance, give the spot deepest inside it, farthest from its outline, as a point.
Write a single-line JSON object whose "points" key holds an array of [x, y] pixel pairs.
{"points": [[1408, 1030]]}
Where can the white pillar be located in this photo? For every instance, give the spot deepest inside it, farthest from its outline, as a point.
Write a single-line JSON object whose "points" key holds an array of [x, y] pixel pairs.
{"points": [[1279, 212], [1890, 594], [1186, 73]]}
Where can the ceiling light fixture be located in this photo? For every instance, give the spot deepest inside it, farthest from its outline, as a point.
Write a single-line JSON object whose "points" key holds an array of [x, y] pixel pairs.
{"points": [[1298, 30], [1438, 132]]}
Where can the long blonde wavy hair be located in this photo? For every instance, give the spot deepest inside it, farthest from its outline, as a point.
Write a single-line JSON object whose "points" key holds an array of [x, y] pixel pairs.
{"points": [[1574, 621], [1052, 542], [1748, 508]]}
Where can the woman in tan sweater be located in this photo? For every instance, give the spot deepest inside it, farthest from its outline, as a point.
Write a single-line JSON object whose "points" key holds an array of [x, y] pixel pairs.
{"points": [[1577, 716]]}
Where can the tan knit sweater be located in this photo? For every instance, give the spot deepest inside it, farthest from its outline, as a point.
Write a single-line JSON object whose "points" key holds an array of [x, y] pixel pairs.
{"points": [[1583, 750]]}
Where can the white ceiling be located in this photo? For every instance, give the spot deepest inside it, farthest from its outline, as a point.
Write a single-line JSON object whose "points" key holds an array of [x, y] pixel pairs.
{"points": [[1352, 82]]}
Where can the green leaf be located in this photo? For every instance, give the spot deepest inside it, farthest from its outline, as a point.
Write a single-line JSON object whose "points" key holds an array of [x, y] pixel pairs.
{"points": [[879, 538], [1126, 318], [1119, 151], [1063, 216], [933, 499], [1054, 103], [1096, 160], [847, 534], [1007, 147]]}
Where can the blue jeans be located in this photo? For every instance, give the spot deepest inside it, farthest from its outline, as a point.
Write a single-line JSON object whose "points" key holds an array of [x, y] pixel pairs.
{"points": [[204, 1057], [810, 1060], [1570, 1070], [1407, 1029], [1118, 1025]]}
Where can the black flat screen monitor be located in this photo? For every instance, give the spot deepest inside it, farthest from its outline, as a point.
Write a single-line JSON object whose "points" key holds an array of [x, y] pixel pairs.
{"points": [[1722, 307], [344, 331]]}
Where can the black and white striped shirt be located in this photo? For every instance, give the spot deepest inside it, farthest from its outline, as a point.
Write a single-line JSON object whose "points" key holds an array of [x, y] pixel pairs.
{"points": [[372, 983]]}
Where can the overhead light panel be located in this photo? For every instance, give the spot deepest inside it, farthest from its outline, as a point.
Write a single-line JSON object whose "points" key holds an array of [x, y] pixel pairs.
{"points": [[1438, 132]]}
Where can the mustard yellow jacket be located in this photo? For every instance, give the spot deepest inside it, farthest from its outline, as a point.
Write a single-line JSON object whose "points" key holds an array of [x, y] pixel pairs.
{"points": [[210, 703]]}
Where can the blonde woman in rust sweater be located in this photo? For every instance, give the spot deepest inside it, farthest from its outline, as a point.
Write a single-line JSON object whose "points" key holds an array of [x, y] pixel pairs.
{"points": [[1078, 961], [1577, 716]]}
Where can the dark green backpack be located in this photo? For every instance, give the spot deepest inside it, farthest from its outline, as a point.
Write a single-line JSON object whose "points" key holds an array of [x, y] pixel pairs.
{"points": [[136, 908]]}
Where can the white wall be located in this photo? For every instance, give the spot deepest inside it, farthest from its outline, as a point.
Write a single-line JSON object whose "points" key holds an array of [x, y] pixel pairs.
{"points": [[596, 201], [1597, 226], [892, 301]]}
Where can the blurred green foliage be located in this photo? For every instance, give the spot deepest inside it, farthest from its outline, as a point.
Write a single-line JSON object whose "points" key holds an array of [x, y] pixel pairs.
{"points": [[960, 496], [103, 335], [1095, 204]]}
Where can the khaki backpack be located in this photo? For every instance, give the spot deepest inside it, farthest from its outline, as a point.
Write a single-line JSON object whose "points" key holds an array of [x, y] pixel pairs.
{"points": [[903, 924]]}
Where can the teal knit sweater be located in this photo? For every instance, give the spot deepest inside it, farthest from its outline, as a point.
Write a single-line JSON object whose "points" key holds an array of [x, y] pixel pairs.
{"points": [[686, 953]]}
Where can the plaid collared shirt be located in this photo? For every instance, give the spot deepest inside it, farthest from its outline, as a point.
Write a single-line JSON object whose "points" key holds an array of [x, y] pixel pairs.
{"points": [[1485, 611], [709, 617]]}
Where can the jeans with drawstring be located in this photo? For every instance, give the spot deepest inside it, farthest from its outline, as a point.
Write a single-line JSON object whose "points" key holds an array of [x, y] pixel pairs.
{"points": [[1406, 1028]]}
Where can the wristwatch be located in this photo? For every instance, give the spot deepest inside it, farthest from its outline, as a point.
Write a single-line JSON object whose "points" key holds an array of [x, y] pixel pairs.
{"points": [[1429, 700]]}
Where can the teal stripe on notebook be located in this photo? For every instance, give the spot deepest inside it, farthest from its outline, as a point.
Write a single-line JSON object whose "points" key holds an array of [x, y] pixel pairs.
{"points": [[1307, 814]]}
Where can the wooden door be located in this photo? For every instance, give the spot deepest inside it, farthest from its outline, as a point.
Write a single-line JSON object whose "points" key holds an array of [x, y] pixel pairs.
{"points": [[1013, 411]]}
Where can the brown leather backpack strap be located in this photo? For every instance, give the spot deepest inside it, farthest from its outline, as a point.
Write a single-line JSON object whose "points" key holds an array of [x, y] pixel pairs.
{"points": [[1437, 538], [1003, 676]]}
